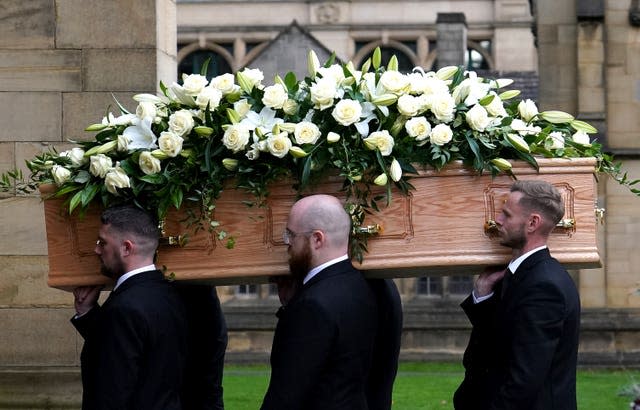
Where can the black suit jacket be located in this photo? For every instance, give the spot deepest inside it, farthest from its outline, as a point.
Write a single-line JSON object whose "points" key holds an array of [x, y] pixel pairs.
{"points": [[134, 347], [202, 388], [323, 344], [386, 346], [523, 349]]}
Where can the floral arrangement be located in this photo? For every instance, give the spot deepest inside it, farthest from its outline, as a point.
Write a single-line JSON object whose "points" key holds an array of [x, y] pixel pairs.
{"points": [[370, 126]]}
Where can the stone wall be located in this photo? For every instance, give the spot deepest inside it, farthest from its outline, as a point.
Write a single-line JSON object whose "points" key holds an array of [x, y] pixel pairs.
{"points": [[60, 61]]}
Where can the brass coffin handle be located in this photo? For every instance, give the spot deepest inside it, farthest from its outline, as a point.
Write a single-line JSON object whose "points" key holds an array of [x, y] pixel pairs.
{"points": [[491, 226], [369, 229], [170, 240]]}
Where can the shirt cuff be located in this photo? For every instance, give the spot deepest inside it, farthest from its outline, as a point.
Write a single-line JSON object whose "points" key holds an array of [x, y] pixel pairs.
{"points": [[481, 298]]}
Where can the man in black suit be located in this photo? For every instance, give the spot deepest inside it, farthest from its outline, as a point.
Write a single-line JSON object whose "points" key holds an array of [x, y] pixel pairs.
{"points": [[323, 343], [135, 344], [386, 348], [523, 349]]}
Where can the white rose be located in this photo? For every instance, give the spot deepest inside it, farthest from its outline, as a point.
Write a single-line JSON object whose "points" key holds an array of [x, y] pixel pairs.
{"points": [[408, 105], [434, 86], [394, 82], [279, 144], [225, 83], [323, 92], [146, 109], [170, 143], [116, 178], [347, 112], [242, 107], [555, 140], [236, 137], [148, 163], [381, 140], [441, 134], [254, 76], [418, 128], [334, 72], [193, 83], [60, 174], [527, 109], [477, 118], [306, 133], [496, 107], [442, 106], [181, 122], [275, 96], [290, 107], [123, 143], [100, 165], [210, 96], [581, 137], [76, 156]]}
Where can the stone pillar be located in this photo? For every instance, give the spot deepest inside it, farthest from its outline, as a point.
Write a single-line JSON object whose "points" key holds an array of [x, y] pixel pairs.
{"points": [[556, 33], [513, 45], [60, 62], [451, 39]]}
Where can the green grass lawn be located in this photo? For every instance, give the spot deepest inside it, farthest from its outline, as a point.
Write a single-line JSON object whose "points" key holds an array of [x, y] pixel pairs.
{"points": [[430, 386]]}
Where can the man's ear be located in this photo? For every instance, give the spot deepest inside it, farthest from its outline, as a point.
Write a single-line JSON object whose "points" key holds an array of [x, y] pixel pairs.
{"points": [[535, 222], [317, 239], [127, 248]]}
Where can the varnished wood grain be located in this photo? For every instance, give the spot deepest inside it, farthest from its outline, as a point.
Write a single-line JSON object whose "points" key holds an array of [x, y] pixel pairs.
{"points": [[437, 229]]}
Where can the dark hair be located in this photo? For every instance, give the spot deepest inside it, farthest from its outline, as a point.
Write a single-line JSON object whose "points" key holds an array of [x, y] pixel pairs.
{"points": [[542, 197], [128, 219]]}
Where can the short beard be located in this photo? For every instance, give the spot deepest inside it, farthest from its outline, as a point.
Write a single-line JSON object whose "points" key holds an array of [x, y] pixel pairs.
{"points": [[113, 272], [514, 240], [300, 263]]}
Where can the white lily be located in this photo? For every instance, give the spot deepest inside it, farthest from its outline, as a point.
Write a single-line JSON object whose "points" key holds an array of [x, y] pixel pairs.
{"points": [[140, 135]]}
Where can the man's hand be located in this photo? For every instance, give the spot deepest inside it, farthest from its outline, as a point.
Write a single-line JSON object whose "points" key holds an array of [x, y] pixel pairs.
{"points": [[487, 280], [86, 297]]}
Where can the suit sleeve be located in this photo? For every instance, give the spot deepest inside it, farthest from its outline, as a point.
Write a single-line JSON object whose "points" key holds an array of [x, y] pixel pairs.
{"points": [[537, 327], [302, 343]]}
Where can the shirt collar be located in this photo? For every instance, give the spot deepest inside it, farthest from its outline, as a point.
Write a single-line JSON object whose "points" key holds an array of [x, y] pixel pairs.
{"points": [[515, 264], [129, 274], [313, 272]]}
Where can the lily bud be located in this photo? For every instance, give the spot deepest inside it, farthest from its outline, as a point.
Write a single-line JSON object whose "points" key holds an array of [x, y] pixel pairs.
{"points": [[385, 100], [203, 131], [288, 127], [370, 143], [244, 82], [518, 142], [446, 73], [556, 117], [377, 58], [381, 180], [365, 66], [297, 152], [395, 170], [333, 137], [393, 63], [230, 164], [507, 95], [583, 126], [501, 163], [313, 64], [233, 116], [96, 127], [108, 147], [158, 153]]}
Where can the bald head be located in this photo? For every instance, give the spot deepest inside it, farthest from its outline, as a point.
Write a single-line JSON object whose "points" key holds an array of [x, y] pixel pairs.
{"points": [[325, 213]]}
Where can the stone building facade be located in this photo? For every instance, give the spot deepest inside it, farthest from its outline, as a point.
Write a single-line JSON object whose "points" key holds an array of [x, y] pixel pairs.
{"points": [[61, 61]]}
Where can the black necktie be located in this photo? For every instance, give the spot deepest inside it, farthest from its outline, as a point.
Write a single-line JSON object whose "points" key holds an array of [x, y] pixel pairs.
{"points": [[505, 282]]}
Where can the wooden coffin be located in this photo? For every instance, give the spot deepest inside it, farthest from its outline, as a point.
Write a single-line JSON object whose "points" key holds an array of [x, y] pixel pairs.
{"points": [[440, 228]]}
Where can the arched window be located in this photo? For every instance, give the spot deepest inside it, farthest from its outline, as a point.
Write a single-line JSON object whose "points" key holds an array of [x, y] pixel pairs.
{"points": [[193, 62], [404, 51]]}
